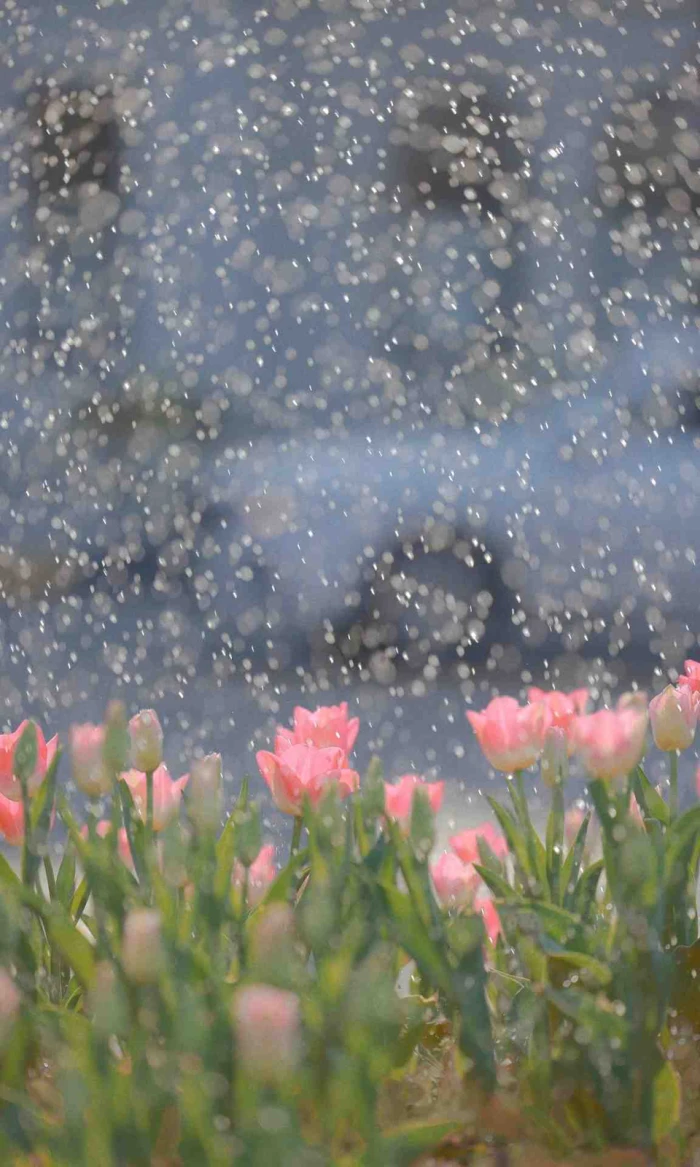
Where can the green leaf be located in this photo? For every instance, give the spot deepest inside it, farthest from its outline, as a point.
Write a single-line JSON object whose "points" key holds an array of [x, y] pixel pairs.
{"points": [[242, 800], [26, 754], [280, 890], [572, 864], [555, 842], [117, 743], [667, 1102], [248, 833], [532, 916], [496, 883], [649, 799], [42, 804], [403, 1145], [63, 933], [65, 880], [514, 838], [226, 842], [488, 857], [592, 1012], [81, 895], [422, 832], [593, 968], [413, 936], [75, 949], [8, 877], [685, 995], [586, 890], [463, 987], [469, 995], [372, 792], [682, 837]]}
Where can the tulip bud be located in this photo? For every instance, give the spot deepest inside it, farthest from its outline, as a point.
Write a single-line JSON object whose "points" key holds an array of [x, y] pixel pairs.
{"points": [[107, 1003], [146, 741], [90, 770], [204, 801], [267, 1023], [142, 947], [633, 699], [117, 747], [248, 834], [273, 936], [673, 716], [555, 754], [10, 1001]]}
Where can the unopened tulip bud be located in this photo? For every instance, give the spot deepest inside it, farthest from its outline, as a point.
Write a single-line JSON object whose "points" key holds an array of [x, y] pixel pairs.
{"points": [[267, 1024], [273, 934], [146, 741], [633, 699], [142, 947], [673, 716], [117, 747], [87, 748], [10, 1001], [204, 801], [555, 754]]}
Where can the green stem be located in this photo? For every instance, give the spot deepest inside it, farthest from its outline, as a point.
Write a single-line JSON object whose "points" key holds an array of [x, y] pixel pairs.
{"points": [[520, 798], [557, 837], [296, 837], [673, 793], [26, 841]]}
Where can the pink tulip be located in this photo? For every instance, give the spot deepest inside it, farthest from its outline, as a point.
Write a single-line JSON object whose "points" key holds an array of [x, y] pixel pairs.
{"points": [[9, 783], [611, 741], [103, 829], [492, 923], [563, 708], [11, 821], [455, 882], [146, 736], [465, 844], [673, 716], [267, 1024], [511, 735], [691, 680], [305, 771], [398, 797], [166, 794], [326, 726], [261, 874], [90, 770]]}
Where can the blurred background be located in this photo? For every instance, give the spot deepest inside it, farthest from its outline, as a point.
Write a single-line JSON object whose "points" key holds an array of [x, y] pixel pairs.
{"points": [[348, 351]]}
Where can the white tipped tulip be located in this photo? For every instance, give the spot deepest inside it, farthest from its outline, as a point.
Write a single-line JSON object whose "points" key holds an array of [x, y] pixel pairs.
{"points": [[146, 736]]}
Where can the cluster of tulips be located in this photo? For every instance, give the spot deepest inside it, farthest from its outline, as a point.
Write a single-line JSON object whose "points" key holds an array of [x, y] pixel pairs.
{"points": [[165, 904]]}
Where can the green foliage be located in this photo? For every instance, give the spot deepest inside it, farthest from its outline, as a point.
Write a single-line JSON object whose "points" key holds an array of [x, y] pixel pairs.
{"points": [[129, 1045]]}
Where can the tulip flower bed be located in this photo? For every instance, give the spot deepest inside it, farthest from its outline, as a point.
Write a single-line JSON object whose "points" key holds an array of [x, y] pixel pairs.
{"points": [[172, 992]]}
